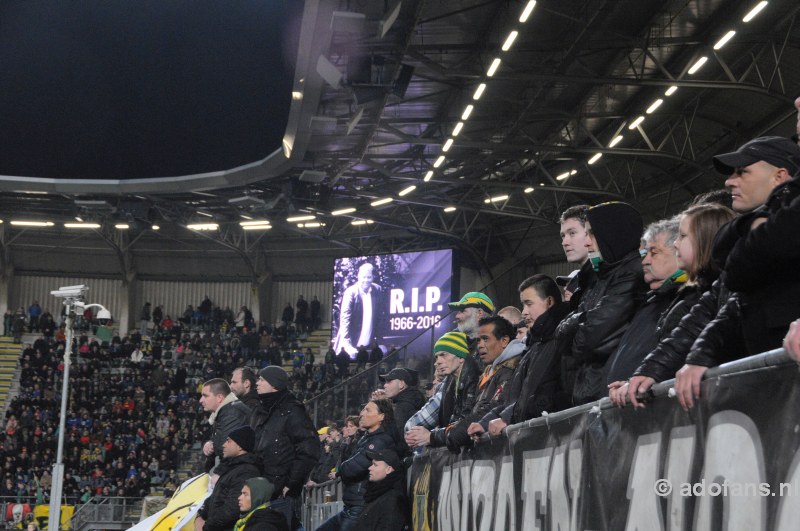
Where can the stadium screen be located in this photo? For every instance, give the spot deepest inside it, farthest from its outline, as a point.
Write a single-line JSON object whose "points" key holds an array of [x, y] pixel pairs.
{"points": [[391, 299]]}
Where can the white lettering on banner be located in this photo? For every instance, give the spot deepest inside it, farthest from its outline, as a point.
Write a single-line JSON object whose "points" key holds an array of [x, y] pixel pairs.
{"points": [[432, 296], [535, 471], [482, 494], [644, 508], [476, 495], [505, 512], [559, 504], [733, 452], [677, 470], [575, 467], [789, 510]]}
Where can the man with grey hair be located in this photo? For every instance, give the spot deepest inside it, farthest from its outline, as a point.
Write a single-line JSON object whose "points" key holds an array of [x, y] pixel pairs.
{"points": [[361, 313], [661, 273]]}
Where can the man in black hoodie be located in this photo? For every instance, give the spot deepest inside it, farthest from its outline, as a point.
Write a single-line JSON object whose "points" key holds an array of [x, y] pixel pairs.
{"points": [[589, 335]]}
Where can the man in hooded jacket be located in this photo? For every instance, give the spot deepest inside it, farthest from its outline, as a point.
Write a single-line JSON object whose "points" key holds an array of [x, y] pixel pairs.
{"points": [[588, 336]]}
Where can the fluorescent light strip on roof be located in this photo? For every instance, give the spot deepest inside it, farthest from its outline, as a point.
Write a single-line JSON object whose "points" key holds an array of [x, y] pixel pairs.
{"points": [[595, 158], [495, 199], [493, 67], [202, 226], [343, 211], [529, 189], [614, 141], [724, 40], [755, 11], [447, 145], [479, 91], [438, 161], [509, 41], [697, 65], [428, 176], [300, 218], [636, 122], [527, 11], [670, 91], [408, 190], [257, 227], [81, 225], [122, 226], [363, 222], [450, 209], [457, 129], [655, 105], [254, 223], [380, 202], [467, 112], [32, 223]]}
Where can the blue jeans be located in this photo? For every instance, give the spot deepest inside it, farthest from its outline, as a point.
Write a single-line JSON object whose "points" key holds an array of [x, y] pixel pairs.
{"points": [[344, 521]]}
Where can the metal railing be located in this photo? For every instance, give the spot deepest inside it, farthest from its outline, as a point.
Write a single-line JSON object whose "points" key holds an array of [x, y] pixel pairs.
{"points": [[321, 502], [106, 511]]}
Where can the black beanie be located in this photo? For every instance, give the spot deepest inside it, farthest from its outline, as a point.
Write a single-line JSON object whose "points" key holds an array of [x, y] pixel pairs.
{"points": [[244, 436], [617, 227], [276, 376]]}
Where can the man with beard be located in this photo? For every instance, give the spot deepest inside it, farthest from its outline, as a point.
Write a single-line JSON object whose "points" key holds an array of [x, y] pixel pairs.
{"points": [[243, 385], [472, 307]]}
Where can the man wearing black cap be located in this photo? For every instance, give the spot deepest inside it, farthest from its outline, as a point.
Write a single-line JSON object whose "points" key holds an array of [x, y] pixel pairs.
{"points": [[760, 255], [387, 506], [286, 440], [400, 385], [220, 511]]}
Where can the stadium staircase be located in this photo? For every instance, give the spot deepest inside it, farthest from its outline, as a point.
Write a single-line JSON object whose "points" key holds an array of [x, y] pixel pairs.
{"points": [[9, 363]]}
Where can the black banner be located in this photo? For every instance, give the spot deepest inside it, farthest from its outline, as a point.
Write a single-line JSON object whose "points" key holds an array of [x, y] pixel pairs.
{"points": [[732, 462]]}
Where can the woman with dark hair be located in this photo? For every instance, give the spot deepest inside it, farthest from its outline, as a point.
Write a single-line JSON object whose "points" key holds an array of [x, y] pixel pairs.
{"points": [[699, 225], [374, 419]]}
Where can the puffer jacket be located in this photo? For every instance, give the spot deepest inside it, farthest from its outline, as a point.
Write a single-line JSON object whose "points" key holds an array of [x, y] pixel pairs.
{"points": [[355, 470], [458, 398], [286, 441], [590, 335], [405, 404], [221, 509]]}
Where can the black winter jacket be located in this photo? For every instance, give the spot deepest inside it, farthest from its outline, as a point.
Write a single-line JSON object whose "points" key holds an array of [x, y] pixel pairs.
{"points": [[286, 441], [763, 268], [589, 336], [229, 417], [670, 355], [265, 519], [536, 386], [405, 404], [640, 338], [355, 470], [458, 398], [388, 512], [221, 509]]}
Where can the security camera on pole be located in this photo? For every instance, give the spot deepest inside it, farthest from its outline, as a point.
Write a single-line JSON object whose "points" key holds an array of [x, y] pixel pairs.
{"points": [[73, 299]]}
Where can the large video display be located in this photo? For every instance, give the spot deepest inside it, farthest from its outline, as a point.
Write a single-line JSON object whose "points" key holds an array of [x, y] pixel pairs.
{"points": [[390, 299]]}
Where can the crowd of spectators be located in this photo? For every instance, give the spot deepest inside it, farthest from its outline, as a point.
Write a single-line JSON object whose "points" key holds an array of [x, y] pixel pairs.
{"points": [[133, 401]]}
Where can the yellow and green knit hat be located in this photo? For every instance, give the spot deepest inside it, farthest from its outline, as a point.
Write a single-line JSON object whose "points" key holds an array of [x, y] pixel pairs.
{"points": [[454, 343], [473, 299]]}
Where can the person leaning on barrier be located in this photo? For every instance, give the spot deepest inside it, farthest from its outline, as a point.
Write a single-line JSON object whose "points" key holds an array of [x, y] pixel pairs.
{"points": [[387, 507], [459, 390], [501, 358], [759, 253], [698, 225], [791, 343], [375, 417], [590, 334], [255, 508], [536, 385]]}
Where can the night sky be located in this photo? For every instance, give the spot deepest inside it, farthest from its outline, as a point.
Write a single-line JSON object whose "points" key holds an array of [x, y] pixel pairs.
{"points": [[135, 89]]}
